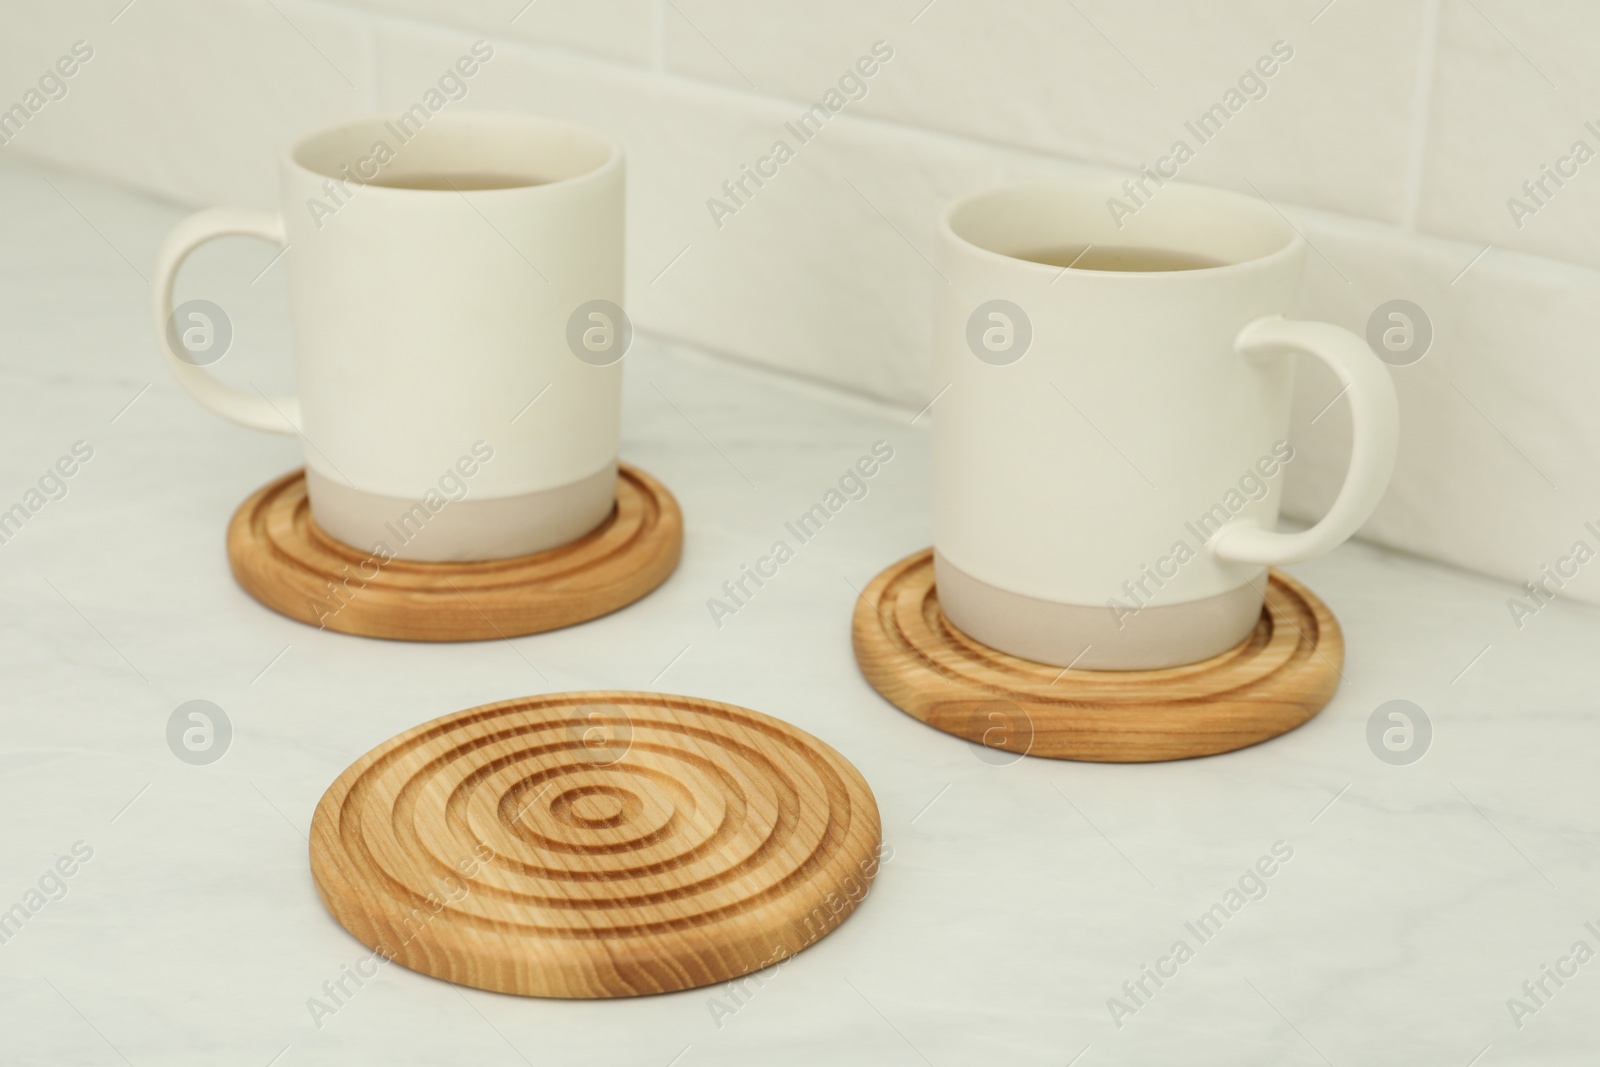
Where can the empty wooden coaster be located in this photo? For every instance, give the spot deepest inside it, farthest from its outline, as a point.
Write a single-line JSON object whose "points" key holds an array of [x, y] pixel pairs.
{"points": [[600, 844], [284, 559], [1276, 679]]}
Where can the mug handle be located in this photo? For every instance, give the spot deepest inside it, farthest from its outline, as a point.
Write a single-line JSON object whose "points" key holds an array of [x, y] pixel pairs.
{"points": [[1375, 416], [275, 414]]}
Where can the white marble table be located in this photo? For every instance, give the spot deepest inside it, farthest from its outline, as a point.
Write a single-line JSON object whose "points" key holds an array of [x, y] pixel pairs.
{"points": [[1019, 900]]}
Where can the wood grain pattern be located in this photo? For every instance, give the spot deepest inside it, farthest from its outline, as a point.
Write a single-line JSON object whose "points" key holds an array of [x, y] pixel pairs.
{"points": [[284, 559], [598, 844], [1276, 679]]}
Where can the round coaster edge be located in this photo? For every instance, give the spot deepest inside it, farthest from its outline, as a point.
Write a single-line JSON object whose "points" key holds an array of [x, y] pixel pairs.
{"points": [[286, 580], [748, 934], [1065, 724]]}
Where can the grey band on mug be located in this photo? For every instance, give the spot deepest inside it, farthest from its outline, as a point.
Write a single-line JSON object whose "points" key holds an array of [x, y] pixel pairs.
{"points": [[467, 529], [1044, 631]]}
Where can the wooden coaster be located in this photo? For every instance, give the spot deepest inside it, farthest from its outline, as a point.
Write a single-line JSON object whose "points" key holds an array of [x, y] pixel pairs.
{"points": [[1276, 679], [601, 844], [284, 559]]}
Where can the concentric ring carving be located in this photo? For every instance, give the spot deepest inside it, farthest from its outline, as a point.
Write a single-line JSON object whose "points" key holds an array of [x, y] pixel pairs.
{"points": [[1282, 674], [285, 560], [595, 844]]}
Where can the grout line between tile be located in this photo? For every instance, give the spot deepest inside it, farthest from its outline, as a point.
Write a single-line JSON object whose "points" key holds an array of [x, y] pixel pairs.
{"points": [[648, 71], [699, 353], [1012, 156]]}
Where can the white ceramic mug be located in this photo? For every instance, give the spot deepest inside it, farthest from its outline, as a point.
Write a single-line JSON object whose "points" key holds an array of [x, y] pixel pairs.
{"points": [[1109, 454], [437, 274]]}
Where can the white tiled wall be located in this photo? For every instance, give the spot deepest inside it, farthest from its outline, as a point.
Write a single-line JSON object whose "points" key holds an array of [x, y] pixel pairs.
{"points": [[1396, 131], [1512, 96]]}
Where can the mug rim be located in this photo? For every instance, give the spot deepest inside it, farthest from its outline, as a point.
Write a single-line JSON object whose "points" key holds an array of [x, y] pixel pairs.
{"points": [[504, 121], [1087, 188]]}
